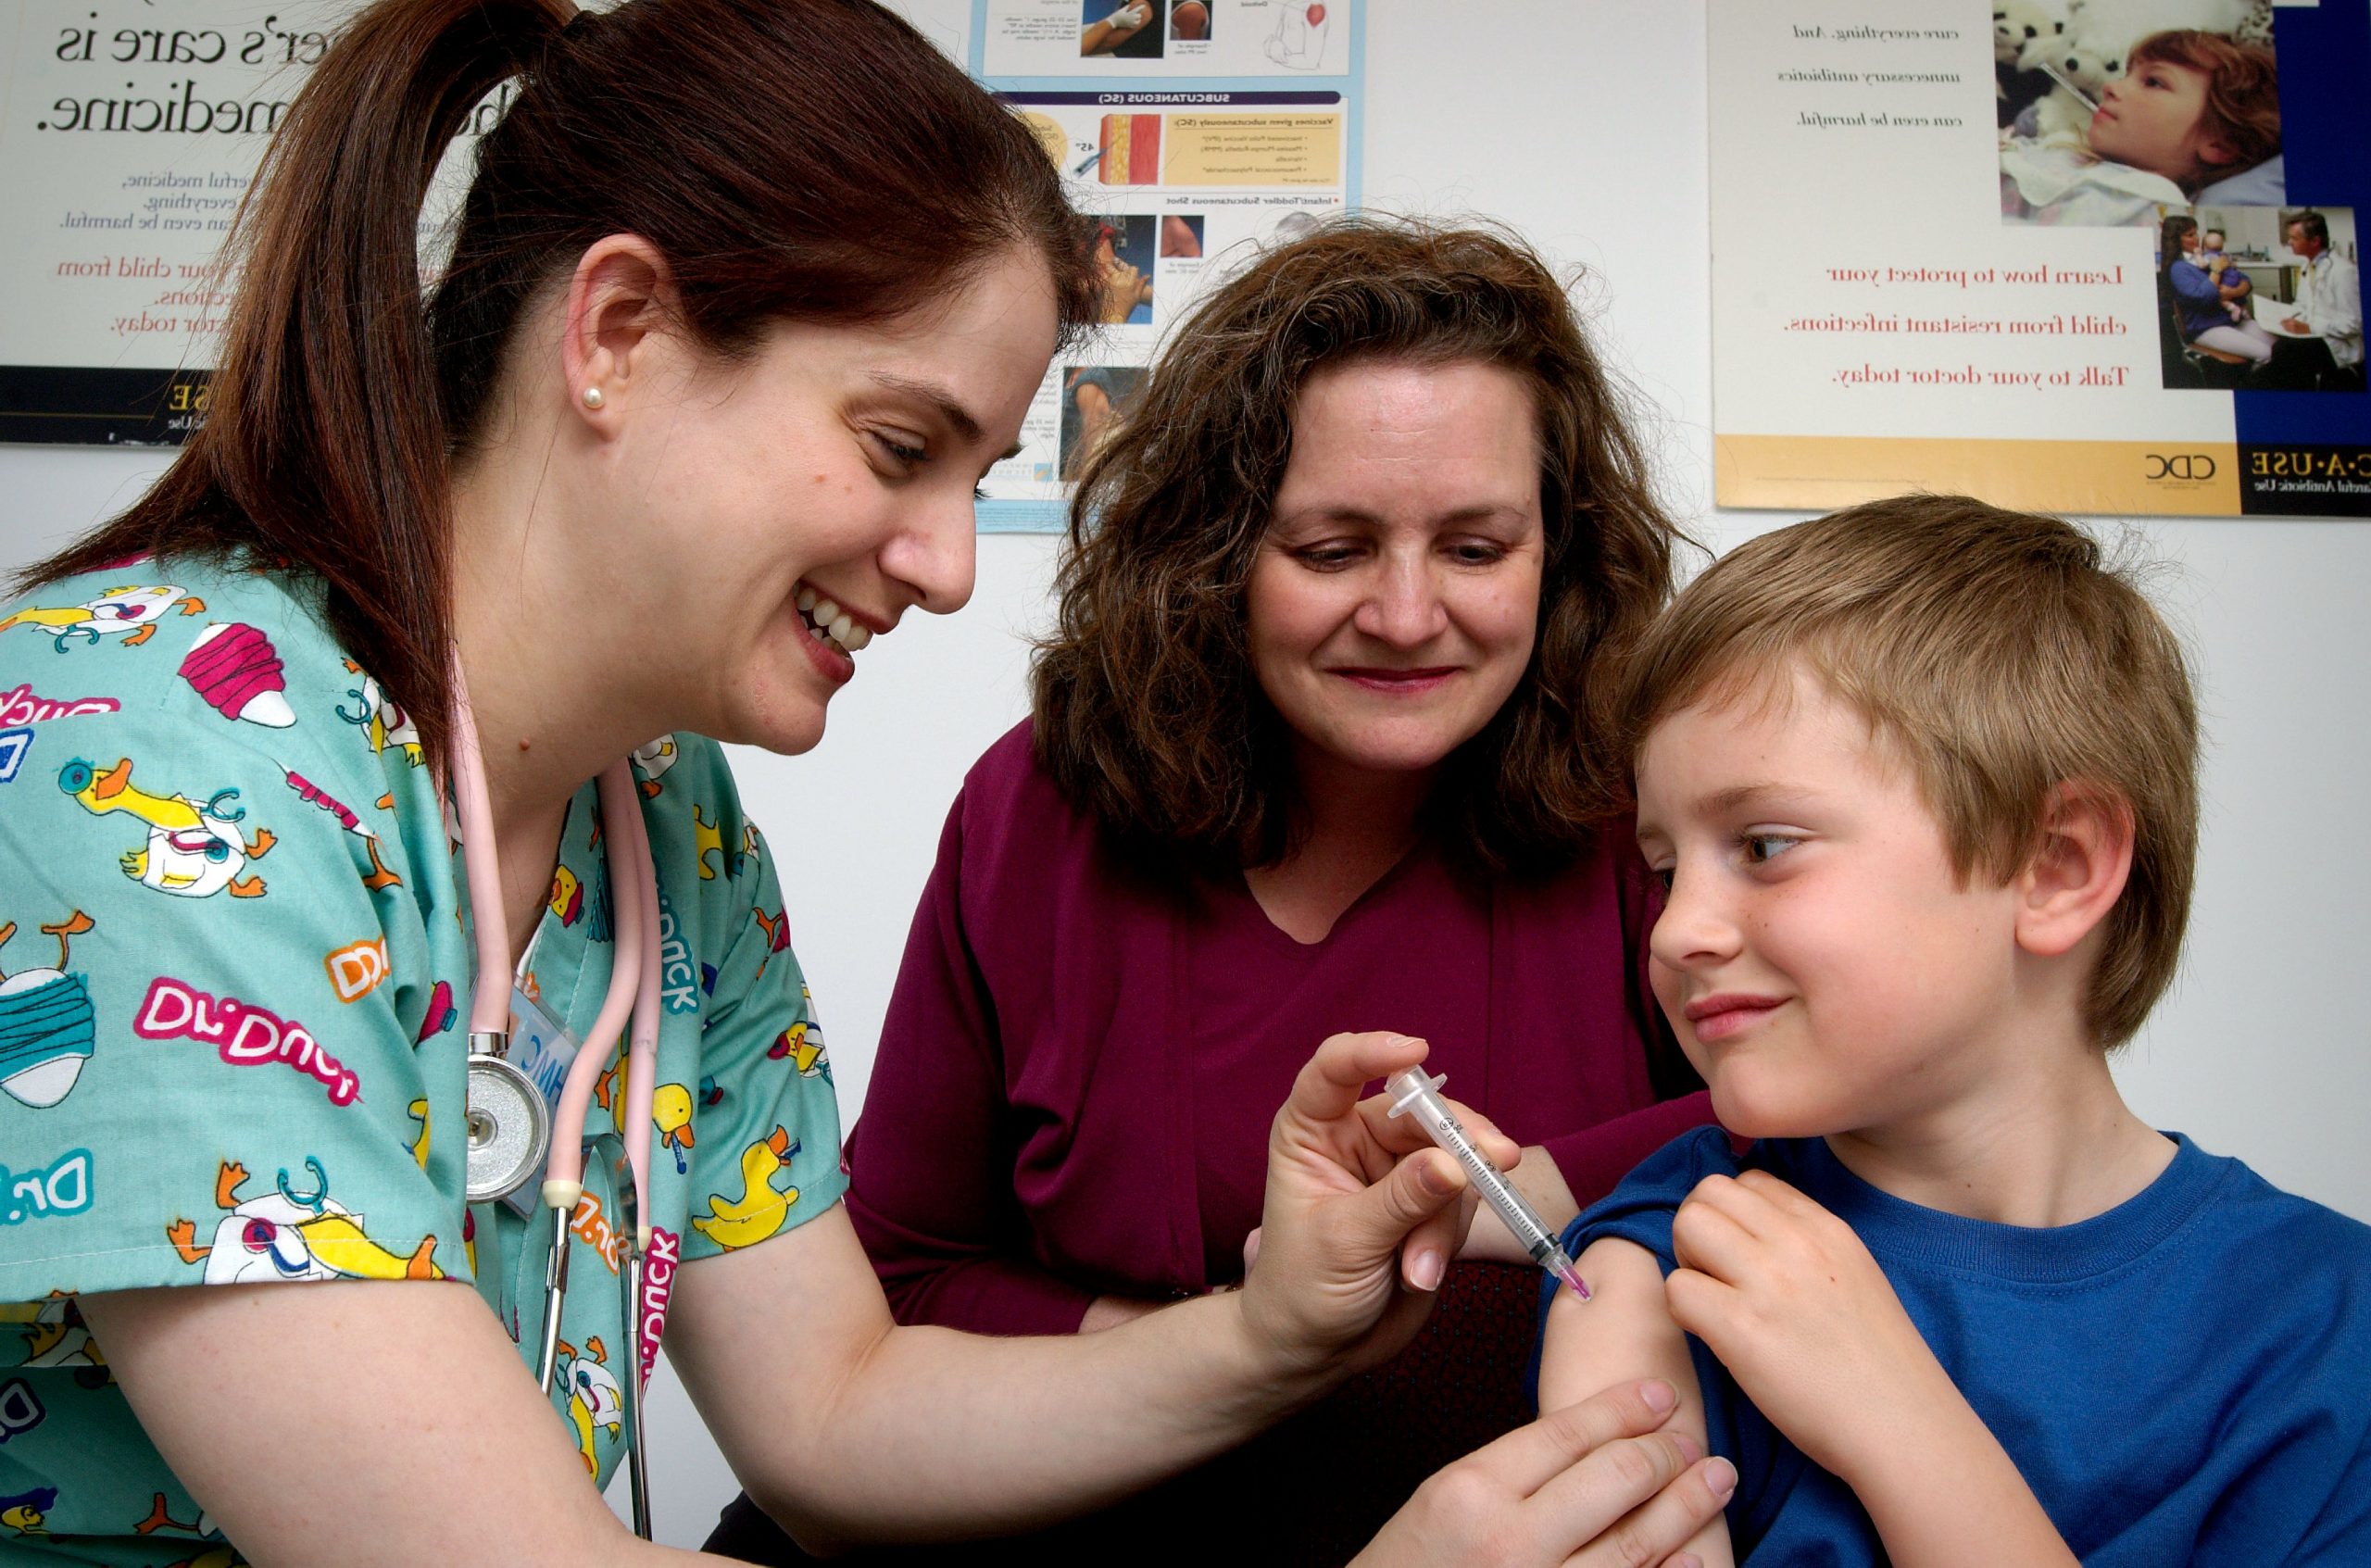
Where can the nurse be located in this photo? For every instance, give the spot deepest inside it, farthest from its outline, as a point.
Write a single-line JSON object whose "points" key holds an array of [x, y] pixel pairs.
{"points": [[743, 301]]}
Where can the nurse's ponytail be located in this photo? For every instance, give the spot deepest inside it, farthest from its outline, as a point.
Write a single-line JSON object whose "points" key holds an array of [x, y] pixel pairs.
{"points": [[809, 159]]}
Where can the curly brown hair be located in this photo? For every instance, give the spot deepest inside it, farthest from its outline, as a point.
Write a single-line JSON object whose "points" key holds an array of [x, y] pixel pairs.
{"points": [[1147, 713]]}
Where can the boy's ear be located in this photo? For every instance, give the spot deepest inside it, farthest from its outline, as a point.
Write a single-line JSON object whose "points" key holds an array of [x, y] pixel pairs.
{"points": [[2077, 870]]}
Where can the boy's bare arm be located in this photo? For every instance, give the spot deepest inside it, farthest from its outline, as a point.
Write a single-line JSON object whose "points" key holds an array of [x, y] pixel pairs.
{"points": [[1624, 1333]]}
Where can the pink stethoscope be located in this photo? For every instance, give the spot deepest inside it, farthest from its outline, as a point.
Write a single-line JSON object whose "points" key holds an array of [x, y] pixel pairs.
{"points": [[510, 1126]]}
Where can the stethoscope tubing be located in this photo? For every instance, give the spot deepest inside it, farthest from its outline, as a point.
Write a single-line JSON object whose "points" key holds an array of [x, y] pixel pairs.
{"points": [[633, 990]]}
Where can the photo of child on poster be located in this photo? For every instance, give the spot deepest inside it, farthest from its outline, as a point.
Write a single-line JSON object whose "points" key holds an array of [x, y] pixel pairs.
{"points": [[2111, 110]]}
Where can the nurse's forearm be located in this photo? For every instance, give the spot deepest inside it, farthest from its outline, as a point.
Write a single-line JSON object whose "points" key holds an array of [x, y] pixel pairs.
{"points": [[846, 1429], [368, 1423]]}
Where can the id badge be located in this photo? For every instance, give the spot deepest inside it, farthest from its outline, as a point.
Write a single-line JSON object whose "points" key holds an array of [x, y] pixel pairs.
{"points": [[543, 1050]]}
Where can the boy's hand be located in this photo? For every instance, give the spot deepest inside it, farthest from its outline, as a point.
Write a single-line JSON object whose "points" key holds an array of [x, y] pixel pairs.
{"points": [[1790, 1300]]}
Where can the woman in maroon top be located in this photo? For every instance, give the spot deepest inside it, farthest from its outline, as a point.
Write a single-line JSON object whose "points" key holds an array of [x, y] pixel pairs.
{"points": [[1318, 745]]}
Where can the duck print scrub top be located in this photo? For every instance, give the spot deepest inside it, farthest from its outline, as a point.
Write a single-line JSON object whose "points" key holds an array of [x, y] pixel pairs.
{"points": [[234, 974]]}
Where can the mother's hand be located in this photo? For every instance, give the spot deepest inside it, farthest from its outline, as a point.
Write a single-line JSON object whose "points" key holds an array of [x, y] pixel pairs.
{"points": [[1346, 1218], [1594, 1483]]}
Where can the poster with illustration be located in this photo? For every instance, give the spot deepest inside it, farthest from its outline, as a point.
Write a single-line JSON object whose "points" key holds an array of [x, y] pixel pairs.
{"points": [[129, 131], [2083, 256], [1196, 133]]}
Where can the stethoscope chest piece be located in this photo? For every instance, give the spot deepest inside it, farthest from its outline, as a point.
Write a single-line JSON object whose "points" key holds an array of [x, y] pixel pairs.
{"points": [[509, 1125]]}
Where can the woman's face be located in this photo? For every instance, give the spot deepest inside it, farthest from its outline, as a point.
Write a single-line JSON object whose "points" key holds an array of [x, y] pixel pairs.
{"points": [[768, 519], [2189, 242], [1395, 599], [2151, 119]]}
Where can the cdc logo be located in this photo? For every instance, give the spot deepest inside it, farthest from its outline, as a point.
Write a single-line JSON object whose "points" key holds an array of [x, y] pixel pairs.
{"points": [[2187, 467]]}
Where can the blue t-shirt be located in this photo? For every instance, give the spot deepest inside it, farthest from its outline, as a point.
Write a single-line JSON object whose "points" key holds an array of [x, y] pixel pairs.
{"points": [[2183, 1379]]}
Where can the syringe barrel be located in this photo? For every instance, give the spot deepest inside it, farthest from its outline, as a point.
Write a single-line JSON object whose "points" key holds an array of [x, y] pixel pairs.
{"points": [[1412, 1095]]}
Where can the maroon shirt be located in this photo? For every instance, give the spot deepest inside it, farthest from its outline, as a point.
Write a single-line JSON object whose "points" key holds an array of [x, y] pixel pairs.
{"points": [[1079, 1067]]}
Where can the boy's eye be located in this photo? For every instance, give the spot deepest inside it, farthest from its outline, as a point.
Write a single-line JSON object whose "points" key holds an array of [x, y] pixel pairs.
{"points": [[1662, 875], [1761, 848]]}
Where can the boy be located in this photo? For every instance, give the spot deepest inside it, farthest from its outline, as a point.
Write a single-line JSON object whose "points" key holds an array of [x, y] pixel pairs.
{"points": [[1921, 779]]}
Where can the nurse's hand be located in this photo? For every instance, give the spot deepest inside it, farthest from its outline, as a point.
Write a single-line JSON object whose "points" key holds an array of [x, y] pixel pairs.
{"points": [[1362, 1213], [1595, 1484]]}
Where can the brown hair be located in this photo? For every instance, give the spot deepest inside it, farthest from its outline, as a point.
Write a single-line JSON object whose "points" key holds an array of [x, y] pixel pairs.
{"points": [[2317, 227], [809, 159], [1999, 657], [1147, 713], [2242, 108]]}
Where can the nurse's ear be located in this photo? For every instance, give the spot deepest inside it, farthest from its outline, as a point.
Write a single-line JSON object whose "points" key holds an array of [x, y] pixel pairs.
{"points": [[618, 326]]}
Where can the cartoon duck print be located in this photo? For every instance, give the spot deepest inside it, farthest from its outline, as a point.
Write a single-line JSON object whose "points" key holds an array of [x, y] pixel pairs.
{"points": [[670, 1112], [56, 1335], [46, 1024], [418, 1112], [777, 929], [193, 852], [380, 717], [160, 1518], [653, 759], [759, 1211], [802, 1046], [567, 898], [283, 1236], [25, 1513], [802, 1043], [707, 839], [129, 614], [594, 1397]]}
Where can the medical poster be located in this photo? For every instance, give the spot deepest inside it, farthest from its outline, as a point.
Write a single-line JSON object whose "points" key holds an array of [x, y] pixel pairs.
{"points": [[2091, 257], [1194, 133], [129, 130]]}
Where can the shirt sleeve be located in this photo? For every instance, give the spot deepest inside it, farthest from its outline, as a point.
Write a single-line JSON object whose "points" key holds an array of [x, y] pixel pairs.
{"points": [[209, 1020], [931, 1157], [2192, 283], [766, 1123]]}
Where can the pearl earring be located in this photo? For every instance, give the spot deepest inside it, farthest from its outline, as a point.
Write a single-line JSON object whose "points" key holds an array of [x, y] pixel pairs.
{"points": [[593, 398]]}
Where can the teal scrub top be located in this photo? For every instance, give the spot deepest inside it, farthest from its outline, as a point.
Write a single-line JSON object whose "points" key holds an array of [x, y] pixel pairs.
{"points": [[235, 977]]}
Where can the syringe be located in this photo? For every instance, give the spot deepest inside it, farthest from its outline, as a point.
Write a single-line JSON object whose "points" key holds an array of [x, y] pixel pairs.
{"points": [[1411, 1090]]}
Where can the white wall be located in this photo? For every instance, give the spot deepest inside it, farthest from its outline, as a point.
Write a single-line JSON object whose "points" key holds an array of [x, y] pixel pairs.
{"points": [[1582, 124]]}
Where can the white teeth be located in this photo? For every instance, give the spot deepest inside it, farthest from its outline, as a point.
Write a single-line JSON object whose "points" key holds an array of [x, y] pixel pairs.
{"points": [[840, 626], [824, 612], [854, 636], [806, 599]]}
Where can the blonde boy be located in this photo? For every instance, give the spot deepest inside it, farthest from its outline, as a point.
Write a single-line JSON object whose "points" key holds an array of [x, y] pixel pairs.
{"points": [[1921, 779]]}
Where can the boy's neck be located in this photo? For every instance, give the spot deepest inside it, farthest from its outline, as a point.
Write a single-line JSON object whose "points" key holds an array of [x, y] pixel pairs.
{"points": [[2048, 1147]]}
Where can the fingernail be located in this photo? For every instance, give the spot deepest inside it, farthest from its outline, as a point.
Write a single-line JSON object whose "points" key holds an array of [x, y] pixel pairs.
{"points": [[1660, 1397], [1427, 1270], [1722, 1476], [1688, 1560], [1690, 1451]]}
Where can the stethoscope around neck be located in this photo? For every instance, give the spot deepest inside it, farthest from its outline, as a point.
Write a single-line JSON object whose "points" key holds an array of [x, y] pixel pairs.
{"points": [[510, 1127]]}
